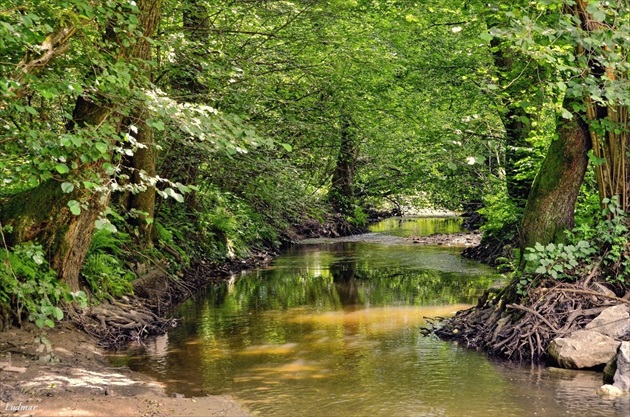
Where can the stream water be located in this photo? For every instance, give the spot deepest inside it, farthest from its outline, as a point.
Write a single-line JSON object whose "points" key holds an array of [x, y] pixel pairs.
{"points": [[330, 328]]}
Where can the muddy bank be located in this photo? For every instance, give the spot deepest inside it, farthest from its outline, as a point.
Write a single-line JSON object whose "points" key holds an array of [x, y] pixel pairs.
{"points": [[64, 371], [66, 374]]}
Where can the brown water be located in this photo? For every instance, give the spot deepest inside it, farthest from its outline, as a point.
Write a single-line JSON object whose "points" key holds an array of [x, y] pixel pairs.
{"points": [[331, 329]]}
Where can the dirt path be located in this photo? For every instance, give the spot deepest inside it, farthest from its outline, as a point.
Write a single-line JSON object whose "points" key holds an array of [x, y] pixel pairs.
{"points": [[66, 374]]}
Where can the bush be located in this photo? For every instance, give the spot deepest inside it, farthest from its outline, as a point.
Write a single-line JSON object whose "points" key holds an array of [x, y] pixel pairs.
{"points": [[29, 288], [501, 216]]}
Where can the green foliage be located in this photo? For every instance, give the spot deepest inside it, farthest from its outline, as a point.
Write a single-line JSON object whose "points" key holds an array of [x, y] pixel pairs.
{"points": [[359, 217], [107, 276], [219, 225], [28, 287], [502, 216], [104, 268], [600, 249]]}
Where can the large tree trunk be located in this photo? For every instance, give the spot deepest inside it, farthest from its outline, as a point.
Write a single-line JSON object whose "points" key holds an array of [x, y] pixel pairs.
{"points": [[42, 213], [551, 202]]}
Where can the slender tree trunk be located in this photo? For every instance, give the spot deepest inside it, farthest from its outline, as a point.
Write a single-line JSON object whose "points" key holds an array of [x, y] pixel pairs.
{"points": [[609, 125], [143, 162], [341, 195], [551, 202], [516, 130]]}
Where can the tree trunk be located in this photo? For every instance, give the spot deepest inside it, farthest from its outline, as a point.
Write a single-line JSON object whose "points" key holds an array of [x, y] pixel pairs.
{"points": [[551, 202], [341, 195], [608, 120], [517, 131], [143, 162], [42, 213]]}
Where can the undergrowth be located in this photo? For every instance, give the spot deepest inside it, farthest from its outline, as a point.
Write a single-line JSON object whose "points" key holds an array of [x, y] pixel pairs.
{"points": [[104, 269], [29, 288], [599, 251]]}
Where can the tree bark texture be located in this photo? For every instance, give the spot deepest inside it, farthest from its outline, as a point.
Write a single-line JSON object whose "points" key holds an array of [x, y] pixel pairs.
{"points": [[143, 162], [551, 202]]}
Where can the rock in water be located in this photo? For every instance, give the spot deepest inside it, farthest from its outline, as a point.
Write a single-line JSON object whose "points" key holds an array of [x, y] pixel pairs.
{"points": [[613, 322], [609, 391], [622, 374], [583, 349]]}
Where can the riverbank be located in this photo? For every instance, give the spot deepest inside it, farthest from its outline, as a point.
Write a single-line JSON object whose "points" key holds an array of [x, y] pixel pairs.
{"points": [[65, 373]]}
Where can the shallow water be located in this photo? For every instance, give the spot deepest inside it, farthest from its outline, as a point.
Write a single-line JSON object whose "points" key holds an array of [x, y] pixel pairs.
{"points": [[331, 329]]}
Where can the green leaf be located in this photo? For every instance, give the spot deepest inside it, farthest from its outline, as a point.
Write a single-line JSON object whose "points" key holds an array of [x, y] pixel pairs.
{"points": [[75, 207], [62, 168], [599, 16], [67, 187], [57, 313], [567, 114], [486, 36], [101, 147], [287, 147], [174, 195]]}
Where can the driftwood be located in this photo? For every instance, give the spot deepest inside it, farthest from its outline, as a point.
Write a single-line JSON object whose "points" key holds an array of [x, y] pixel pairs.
{"points": [[523, 331]]}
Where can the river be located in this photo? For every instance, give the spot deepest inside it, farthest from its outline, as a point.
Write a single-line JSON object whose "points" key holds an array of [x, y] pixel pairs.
{"points": [[330, 328]]}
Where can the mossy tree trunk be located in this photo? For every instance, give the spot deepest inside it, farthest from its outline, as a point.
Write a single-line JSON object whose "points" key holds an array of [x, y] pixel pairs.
{"points": [[143, 161], [341, 195], [551, 202], [42, 213]]}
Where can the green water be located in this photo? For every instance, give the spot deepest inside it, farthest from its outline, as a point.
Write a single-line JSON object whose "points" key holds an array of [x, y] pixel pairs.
{"points": [[331, 329]]}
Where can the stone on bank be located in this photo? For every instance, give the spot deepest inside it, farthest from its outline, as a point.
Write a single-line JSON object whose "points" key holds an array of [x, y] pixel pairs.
{"points": [[583, 349]]}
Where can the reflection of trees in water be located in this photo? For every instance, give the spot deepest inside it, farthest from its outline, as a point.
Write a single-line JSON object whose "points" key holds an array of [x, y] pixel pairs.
{"points": [[412, 287], [343, 273]]}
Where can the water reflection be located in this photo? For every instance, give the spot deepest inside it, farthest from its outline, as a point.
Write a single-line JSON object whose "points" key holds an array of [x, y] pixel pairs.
{"points": [[418, 226], [332, 330]]}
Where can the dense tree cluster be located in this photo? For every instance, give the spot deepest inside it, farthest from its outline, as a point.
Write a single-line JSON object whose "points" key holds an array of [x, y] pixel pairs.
{"points": [[205, 129]]}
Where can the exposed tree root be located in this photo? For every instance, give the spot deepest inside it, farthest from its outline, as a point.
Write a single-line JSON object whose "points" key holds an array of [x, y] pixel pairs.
{"points": [[523, 331], [116, 323]]}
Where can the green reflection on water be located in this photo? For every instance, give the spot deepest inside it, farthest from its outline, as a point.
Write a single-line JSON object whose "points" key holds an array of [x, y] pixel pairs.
{"points": [[417, 226]]}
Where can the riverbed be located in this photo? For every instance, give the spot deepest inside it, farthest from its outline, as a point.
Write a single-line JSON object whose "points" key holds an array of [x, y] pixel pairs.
{"points": [[331, 328]]}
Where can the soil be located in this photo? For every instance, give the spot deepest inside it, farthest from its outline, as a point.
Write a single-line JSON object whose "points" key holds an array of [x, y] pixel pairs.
{"points": [[69, 375]]}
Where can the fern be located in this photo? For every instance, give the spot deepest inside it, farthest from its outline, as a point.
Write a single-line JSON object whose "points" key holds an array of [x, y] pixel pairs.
{"points": [[106, 241], [106, 276]]}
